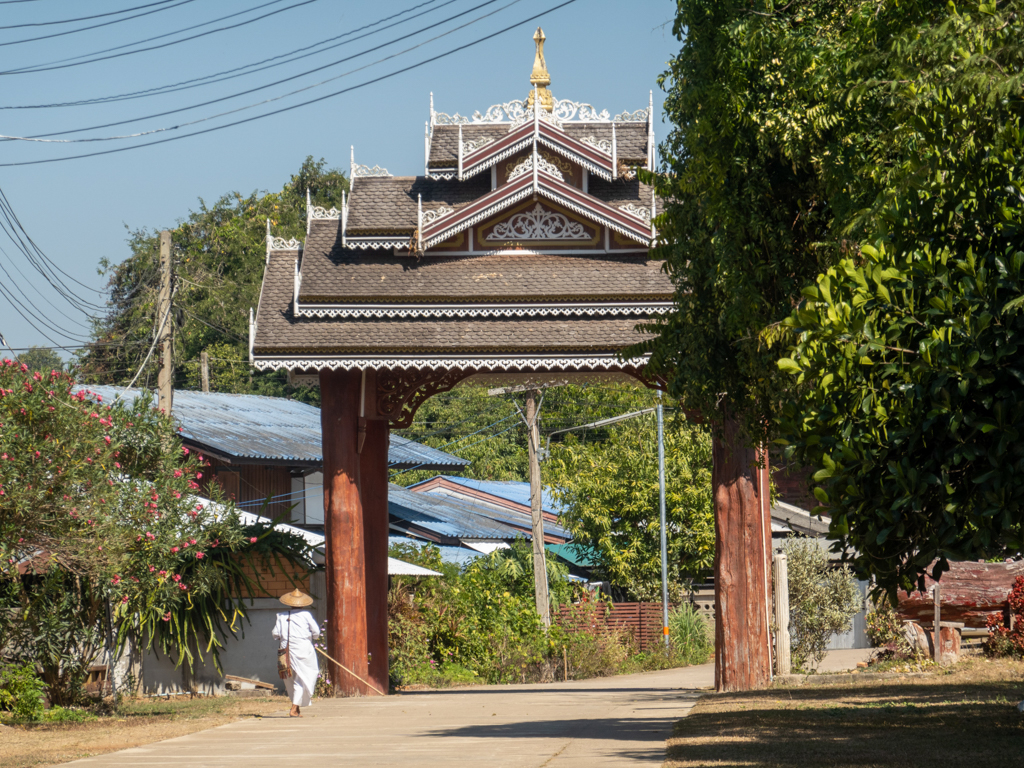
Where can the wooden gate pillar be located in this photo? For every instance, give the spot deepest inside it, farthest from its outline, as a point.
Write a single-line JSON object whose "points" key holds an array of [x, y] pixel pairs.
{"points": [[345, 519], [373, 471], [743, 536]]}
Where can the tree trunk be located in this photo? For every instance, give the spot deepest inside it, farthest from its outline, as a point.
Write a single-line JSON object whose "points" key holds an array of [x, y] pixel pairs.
{"points": [[742, 562]]}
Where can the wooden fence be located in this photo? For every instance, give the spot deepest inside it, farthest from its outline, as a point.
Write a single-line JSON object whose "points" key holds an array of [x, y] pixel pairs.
{"points": [[640, 621]]}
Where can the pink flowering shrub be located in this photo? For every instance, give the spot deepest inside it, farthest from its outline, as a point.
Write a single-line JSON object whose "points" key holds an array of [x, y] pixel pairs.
{"points": [[101, 495]]}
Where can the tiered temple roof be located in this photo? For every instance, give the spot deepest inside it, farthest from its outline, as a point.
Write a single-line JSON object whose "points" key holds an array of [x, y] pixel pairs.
{"points": [[524, 246]]}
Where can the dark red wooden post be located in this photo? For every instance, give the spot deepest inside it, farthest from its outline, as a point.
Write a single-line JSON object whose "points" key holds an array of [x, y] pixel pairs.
{"points": [[373, 472], [344, 524], [742, 557]]}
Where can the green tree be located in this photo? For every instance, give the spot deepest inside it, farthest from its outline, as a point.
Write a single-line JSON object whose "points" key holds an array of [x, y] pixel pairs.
{"points": [[609, 496], [907, 357], [41, 359], [218, 253]]}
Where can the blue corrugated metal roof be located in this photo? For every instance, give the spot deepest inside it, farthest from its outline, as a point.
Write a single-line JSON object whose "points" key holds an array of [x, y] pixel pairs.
{"points": [[457, 555], [453, 518], [271, 428], [512, 490]]}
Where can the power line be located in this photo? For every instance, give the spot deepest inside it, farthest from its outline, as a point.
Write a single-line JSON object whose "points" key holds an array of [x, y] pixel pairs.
{"points": [[301, 104], [27, 70], [96, 26], [43, 136], [197, 82], [84, 18]]}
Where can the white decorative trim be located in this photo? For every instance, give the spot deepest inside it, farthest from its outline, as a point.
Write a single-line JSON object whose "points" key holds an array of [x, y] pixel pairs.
{"points": [[543, 114], [639, 211], [542, 310], [365, 171], [280, 244], [432, 216], [493, 160], [442, 174], [442, 118], [510, 111], [539, 224], [369, 244], [590, 213], [602, 145], [480, 364], [640, 116], [566, 110], [473, 145], [590, 166], [318, 212], [484, 214], [525, 166]]}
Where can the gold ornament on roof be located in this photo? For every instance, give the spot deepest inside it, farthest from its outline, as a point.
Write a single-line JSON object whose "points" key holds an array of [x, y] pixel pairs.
{"points": [[539, 78]]}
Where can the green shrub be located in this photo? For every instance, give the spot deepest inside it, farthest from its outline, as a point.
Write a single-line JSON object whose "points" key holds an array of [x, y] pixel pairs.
{"points": [[66, 715], [690, 636], [822, 601], [21, 692], [885, 632]]}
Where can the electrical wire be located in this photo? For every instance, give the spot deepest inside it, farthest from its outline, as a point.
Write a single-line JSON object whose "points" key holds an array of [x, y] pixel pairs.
{"points": [[84, 18], [29, 70], [197, 82], [97, 26], [282, 110], [42, 137]]}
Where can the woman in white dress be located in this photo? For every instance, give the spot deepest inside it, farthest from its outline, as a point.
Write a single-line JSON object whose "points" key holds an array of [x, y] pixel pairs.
{"points": [[296, 630]]}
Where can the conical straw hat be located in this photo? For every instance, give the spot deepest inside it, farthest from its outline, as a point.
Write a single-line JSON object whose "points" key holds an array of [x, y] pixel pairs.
{"points": [[296, 599]]}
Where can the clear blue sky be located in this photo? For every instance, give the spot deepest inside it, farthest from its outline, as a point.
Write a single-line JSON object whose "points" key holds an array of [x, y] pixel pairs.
{"points": [[598, 51]]}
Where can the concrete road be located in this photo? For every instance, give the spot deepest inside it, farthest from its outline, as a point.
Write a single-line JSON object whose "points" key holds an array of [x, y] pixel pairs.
{"points": [[618, 721]]}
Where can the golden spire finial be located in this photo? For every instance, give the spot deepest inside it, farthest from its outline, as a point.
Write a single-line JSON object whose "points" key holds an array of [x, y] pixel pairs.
{"points": [[539, 78]]}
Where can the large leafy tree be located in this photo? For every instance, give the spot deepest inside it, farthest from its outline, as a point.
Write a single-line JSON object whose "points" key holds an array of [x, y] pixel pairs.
{"points": [[609, 495], [218, 253], [909, 352]]}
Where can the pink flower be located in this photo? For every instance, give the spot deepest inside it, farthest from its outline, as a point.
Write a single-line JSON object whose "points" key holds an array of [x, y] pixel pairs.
{"points": [[199, 555], [163, 573], [177, 577], [199, 475], [151, 569], [167, 616], [252, 540], [174, 549], [124, 599], [177, 473], [184, 450]]}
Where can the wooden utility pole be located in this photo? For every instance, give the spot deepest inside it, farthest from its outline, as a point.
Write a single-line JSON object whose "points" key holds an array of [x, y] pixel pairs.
{"points": [[204, 366], [540, 566], [783, 660], [165, 376]]}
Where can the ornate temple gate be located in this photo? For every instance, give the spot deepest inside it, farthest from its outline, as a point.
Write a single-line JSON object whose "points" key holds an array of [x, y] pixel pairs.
{"points": [[521, 255]]}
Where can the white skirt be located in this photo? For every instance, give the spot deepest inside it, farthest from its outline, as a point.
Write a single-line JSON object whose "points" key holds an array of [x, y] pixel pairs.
{"points": [[300, 686]]}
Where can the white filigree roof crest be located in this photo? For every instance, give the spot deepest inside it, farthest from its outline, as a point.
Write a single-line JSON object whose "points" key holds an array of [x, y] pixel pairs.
{"points": [[604, 145], [363, 171], [280, 244], [474, 144], [319, 212], [539, 224], [525, 165]]}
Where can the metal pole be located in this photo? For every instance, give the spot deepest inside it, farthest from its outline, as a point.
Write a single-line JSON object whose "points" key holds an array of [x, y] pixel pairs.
{"points": [[664, 533]]}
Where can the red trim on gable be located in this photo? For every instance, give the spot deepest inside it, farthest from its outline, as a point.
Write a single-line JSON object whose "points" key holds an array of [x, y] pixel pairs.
{"points": [[475, 493]]}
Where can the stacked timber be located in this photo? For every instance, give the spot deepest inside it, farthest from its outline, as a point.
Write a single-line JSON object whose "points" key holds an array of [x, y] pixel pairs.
{"points": [[970, 593]]}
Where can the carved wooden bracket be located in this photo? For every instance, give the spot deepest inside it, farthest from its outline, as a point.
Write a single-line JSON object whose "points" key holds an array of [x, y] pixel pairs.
{"points": [[401, 392]]}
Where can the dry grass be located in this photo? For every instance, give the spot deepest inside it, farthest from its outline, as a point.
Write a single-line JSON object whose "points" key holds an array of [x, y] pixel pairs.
{"points": [[140, 722], [963, 716]]}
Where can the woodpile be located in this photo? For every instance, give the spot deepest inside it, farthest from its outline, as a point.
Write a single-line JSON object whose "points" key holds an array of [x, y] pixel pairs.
{"points": [[970, 593]]}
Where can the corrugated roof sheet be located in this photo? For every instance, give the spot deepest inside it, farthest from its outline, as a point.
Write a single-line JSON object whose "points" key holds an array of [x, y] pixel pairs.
{"points": [[275, 429], [512, 490], [449, 554], [452, 518]]}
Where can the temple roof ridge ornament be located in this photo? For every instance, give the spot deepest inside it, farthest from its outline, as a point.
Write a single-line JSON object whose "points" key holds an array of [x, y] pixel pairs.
{"points": [[540, 79], [280, 244], [357, 171]]}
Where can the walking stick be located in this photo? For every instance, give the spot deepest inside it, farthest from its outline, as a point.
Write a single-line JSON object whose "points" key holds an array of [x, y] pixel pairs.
{"points": [[357, 677]]}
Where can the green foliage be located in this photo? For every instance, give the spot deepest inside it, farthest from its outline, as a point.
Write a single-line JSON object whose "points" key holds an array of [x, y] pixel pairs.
{"points": [[822, 601], [218, 253], [906, 355], [690, 634], [609, 496], [885, 632], [21, 692], [41, 359]]}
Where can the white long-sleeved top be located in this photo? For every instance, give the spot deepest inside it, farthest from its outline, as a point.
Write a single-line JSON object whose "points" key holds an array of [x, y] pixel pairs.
{"points": [[304, 630]]}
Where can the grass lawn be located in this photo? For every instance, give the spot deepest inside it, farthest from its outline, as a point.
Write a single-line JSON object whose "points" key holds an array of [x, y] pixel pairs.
{"points": [[962, 716], [140, 722]]}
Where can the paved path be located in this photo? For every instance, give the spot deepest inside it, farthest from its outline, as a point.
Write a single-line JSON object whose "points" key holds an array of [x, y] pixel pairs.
{"points": [[619, 721]]}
